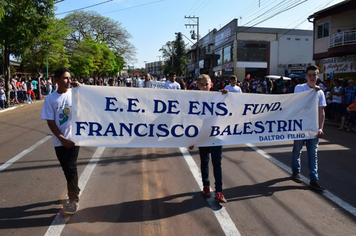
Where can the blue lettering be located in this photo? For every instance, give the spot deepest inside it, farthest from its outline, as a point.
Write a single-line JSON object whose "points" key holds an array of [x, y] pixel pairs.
{"points": [[174, 134], [215, 131], [109, 102], [136, 130], [156, 110], [110, 129], [221, 106], [92, 130], [128, 129], [247, 108], [196, 131], [131, 104], [79, 127], [193, 106], [163, 128]]}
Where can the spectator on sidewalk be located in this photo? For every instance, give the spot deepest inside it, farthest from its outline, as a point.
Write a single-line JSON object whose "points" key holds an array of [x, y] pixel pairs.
{"points": [[349, 94], [24, 89], [349, 116], [336, 103], [2, 94], [14, 90]]}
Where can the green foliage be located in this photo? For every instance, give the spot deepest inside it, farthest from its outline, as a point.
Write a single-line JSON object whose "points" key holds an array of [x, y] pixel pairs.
{"points": [[49, 45], [102, 30], [22, 22], [174, 55], [91, 56]]}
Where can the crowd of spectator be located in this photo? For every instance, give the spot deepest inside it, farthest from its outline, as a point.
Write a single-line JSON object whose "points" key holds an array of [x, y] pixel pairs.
{"points": [[340, 93]]}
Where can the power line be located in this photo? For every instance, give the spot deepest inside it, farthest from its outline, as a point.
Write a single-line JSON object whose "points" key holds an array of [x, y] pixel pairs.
{"points": [[85, 7], [274, 9], [134, 6]]}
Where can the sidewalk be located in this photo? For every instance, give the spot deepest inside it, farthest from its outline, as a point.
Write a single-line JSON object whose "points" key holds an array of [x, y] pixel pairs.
{"points": [[331, 123], [20, 105]]}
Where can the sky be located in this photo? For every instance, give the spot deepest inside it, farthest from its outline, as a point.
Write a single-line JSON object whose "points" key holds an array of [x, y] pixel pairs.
{"points": [[152, 23]]}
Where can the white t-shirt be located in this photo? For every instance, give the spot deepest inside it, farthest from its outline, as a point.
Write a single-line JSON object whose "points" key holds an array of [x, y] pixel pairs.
{"points": [[235, 89], [304, 87], [58, 107], [170, 85], [337, 99]]}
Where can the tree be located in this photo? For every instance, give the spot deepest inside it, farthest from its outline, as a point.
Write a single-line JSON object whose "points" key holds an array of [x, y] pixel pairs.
{"points": [[23, 21], [181, 60], [100, 29], [91, 56], [174, 55], [167, 51], [48, 46]]}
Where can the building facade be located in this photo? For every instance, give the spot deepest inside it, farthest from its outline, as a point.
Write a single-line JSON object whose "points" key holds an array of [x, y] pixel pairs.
{"points": [[155, 68], [253, 51], [334, 49]]}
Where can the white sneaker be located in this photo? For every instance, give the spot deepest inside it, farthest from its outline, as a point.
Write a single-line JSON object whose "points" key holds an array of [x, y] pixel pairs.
{"points": [[70, 207]]}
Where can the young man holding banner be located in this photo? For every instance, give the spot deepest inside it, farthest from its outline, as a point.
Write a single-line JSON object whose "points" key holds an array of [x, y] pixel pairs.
{"points": [[312, 74], [57, 110], [204, 84]]}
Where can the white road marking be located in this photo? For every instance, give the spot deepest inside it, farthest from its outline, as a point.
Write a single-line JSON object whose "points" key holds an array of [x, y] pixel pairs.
{"points": [[60, 221], [327, 194], [23, 153], [227, 225]]}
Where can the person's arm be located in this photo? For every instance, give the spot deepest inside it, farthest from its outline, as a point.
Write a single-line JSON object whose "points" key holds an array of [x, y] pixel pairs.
{"points": [[321, 117], [53, 127]]}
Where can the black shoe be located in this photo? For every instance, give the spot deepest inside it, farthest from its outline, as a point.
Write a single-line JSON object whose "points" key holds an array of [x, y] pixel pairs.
{"points": [[296, 178], [316, 185]]}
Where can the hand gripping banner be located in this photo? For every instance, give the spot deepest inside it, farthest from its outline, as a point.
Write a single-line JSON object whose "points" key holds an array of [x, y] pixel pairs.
{"points": [[143, 117]]}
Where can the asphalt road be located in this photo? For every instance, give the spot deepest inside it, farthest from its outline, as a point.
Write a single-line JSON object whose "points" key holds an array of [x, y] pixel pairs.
{"points": [[154, 191]]}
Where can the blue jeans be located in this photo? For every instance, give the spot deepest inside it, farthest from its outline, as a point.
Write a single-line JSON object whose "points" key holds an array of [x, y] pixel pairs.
{"points": [[216, 157], [312, 150]]}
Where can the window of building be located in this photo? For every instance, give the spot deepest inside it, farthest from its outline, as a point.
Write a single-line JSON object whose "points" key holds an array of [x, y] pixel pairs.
{"points": [[323, 30], [297, 39], [252, 52], [288, 38], [218, 57], [228, 54]]}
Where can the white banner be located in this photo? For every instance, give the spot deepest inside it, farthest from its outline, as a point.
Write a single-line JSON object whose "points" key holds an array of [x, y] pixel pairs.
{"points": [[156, 84], [143, 117]]}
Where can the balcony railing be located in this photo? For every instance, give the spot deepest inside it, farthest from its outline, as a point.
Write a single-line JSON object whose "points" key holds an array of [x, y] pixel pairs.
{"points": [[343, 38]]}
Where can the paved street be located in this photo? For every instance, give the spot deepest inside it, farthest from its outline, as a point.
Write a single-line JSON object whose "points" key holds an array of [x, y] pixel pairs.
{"points": [[156, 191]]}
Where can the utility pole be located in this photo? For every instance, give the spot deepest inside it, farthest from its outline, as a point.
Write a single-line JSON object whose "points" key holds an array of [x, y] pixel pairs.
{"points": [[195, 19]]}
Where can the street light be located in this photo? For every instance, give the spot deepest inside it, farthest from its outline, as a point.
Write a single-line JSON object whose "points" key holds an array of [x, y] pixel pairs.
{"points": [[145, 66]]}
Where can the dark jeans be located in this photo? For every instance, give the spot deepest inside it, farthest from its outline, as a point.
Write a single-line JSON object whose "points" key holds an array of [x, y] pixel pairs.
{"points": [[216, 157], [68, 160]]}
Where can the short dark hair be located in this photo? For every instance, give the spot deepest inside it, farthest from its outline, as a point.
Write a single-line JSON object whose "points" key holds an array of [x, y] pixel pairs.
{"points": [[172, 74], [312, 67], [233, 77], [59, 72]]}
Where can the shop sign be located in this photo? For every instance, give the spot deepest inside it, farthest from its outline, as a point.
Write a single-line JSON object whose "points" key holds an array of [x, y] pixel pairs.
{"points": [[223, 37], [339, 64], [228, 66]]}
